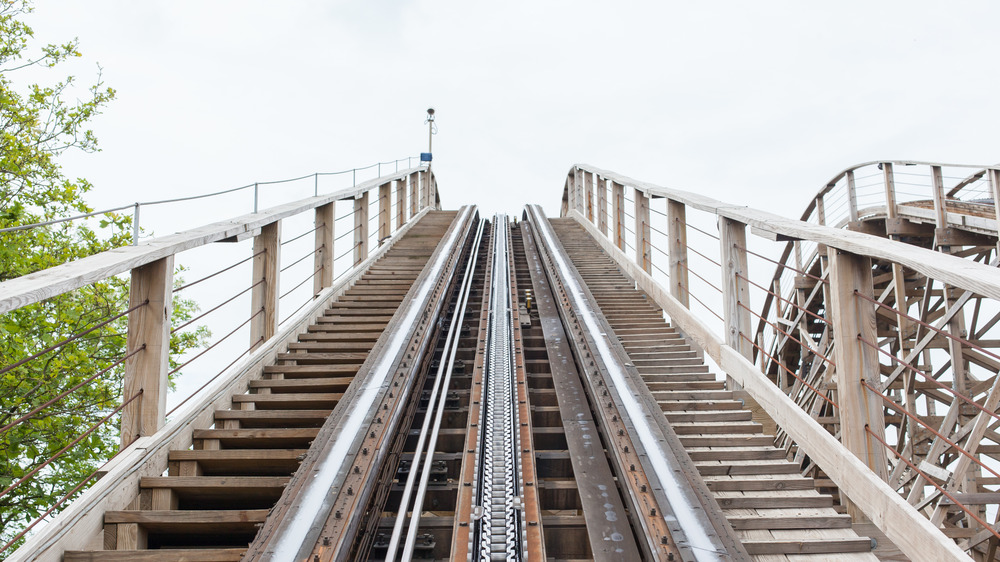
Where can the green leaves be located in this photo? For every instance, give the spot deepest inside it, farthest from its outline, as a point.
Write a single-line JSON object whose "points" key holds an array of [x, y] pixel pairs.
{"points": [[38, 122]]}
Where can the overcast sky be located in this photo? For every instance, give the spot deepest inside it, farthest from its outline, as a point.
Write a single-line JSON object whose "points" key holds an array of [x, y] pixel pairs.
{"points": [[742, 100], [755, 103]]}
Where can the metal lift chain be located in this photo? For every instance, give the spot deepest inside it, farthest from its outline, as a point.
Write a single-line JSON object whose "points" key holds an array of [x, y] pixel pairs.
{"points": [[499, 528]]}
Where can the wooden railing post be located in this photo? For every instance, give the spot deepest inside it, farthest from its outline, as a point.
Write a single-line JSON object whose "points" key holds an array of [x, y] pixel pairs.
{"points": [[642, 243], [602, 204], [994, 177], [578, 190], [414, 193], [618, 210], [264, 297], [146, 371], [677, 251], [588, 185], [323, 262], [361, 228], [400, 203], [852, 198], [384, 212], [854, 320], [735, 288]]}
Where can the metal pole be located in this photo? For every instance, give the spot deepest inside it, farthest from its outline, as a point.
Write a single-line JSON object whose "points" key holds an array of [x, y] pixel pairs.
{"points": [[316, 184], [397, 166], [135, 225], [255, 197], [379, 169], [354, 177]]}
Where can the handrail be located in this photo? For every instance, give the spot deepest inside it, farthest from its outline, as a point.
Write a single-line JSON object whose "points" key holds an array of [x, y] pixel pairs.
{"points": [[958, 272], [48, 283], [147, 456], [854, 466]]}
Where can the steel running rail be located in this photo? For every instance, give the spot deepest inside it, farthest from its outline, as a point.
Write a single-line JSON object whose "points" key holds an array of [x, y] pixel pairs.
{"points": [[435, 410], [499, 528]]}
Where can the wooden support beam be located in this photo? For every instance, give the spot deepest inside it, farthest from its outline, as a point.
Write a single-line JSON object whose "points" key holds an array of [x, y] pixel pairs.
{"points": [[854, 317], [735, 288], [414, 193], [323, 263], [384, 212], [400, 203], [361, 226], [264, 297], [618, 211], [578, 189], [146, 371], [602, 204], [643, 251], [677, 251], [588, 186]]}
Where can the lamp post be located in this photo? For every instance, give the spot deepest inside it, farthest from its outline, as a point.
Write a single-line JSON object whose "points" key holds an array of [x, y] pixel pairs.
{"points": [[431, 131]]}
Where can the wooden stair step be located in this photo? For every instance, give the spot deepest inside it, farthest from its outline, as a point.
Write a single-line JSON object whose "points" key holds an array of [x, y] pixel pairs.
{"points": [[271, 438], [748, 483], [220, 491], [683, 405], [274, 418], [679, 416], [685, 385], [159, 555], [349, 325], [241, 462], [808, 546], [705, 428], [291, 400], [727, 440], [735, 453], [322, 347], [328, 358], [752, 466], [812, 521], [315, 384], [208, 521], [763, 500], [349, 368]]}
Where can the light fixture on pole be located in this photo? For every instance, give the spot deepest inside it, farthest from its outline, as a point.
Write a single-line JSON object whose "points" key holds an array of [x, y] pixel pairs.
{"points": [[431, 131]]}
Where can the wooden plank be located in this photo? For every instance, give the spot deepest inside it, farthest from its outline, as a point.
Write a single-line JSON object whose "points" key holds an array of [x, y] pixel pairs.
{"points": [[325, 224], [602, 204], [400, 203], [853, 318], [588, 186], [384, 212], [414, 193], [264, 297], [146, 371], [910, 530], [361, 228], [677, 252], [57, 280], [177, 555], [618, 211], [643, 253], [735, 288]]}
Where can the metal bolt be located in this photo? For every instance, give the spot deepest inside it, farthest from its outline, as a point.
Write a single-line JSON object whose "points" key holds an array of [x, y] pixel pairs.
{"points": [[350, 492], [652, 511]]}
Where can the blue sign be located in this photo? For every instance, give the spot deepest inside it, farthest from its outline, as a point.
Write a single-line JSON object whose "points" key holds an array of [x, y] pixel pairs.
{"points": [[425, 156]]}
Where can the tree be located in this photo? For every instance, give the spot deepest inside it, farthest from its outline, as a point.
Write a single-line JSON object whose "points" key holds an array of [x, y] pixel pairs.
{"points": [[38, 123]]}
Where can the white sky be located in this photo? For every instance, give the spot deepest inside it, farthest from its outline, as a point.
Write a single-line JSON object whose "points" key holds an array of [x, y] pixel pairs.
{"points": [[755, 103], [741, 100]]}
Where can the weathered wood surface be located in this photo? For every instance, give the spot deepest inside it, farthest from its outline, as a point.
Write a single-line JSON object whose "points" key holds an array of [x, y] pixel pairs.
{"points": [[81, 524], [952, 270], [57, 280], [146, 371], [905, 526]]}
